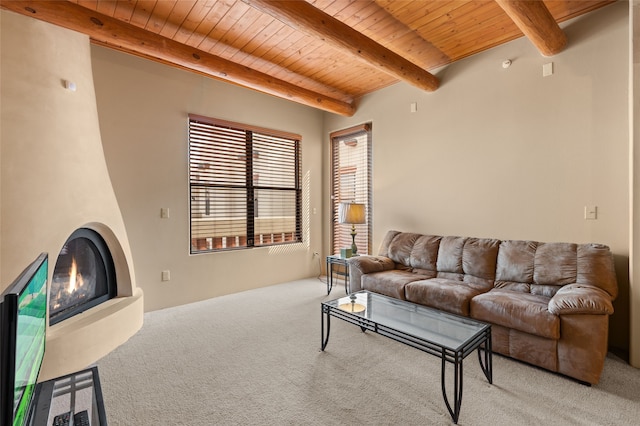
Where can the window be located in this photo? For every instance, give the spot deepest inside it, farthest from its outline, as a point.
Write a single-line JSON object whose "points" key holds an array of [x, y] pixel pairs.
{"points": [[245, 186], [351, 182]]}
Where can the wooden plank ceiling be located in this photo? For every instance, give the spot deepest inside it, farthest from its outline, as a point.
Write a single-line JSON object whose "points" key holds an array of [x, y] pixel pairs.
{"points": [[322, 53]]}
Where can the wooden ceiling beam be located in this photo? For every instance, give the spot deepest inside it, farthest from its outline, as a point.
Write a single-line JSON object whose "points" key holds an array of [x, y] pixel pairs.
{"points": [[305, 17], [122, 36], [536, 22]]}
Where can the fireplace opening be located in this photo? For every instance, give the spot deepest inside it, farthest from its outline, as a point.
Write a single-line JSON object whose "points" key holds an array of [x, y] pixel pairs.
{"points": [[84, 276]]}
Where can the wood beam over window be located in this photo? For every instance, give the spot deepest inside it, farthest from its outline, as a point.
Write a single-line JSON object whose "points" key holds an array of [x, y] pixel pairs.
{"points": [[110, 32], [305, 17], [536, 22]]}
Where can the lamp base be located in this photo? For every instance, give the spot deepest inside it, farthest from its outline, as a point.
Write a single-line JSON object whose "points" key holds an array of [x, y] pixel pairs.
{"points": [[354, 248]]}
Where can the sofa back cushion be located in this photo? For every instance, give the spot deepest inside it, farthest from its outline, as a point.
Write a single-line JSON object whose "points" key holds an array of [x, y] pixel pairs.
{"points": [[449, 264], [515, 266], [555, 265], [596, 267], [424, 254], [384, 246], [479, 257], [400, 248]]}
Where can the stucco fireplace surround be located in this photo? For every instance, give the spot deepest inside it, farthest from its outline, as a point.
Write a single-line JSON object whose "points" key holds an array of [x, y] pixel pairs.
{"points": [[54, 181]]}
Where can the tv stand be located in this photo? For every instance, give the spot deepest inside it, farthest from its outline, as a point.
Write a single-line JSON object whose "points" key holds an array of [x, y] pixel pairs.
{"points": [[74, 392]]}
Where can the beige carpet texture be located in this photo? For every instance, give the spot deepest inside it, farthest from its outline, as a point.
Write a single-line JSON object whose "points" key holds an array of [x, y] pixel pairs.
{"points": [[253, 358]]}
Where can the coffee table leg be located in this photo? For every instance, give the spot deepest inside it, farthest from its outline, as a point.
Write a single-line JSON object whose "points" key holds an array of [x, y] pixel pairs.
{"points": [[487, 363], [324, 339], [457, 386]]}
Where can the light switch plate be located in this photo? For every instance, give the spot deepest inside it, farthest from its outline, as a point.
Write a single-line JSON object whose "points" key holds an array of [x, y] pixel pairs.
{"points": [[590, 212]]}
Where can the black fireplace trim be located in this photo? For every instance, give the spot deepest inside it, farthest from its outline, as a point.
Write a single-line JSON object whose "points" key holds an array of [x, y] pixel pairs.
{"points": [[110, 271]]}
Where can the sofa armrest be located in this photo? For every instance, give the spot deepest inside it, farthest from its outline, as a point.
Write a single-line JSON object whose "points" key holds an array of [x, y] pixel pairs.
{"points": [[361, 265], [580, 299]]}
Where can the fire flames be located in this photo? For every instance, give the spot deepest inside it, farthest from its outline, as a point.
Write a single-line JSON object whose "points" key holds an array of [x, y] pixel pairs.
{"points": [[66, 288], [75, 279]]}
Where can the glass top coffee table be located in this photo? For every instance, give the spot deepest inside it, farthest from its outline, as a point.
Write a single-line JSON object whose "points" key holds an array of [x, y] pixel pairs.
{"points": [[448, 336]]}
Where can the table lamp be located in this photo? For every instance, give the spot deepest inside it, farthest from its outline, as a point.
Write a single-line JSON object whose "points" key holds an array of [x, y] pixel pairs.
{"points": [[352, 213]]}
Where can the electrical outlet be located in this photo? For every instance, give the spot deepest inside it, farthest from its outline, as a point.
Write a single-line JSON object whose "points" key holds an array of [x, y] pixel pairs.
{"points": [[166, 275]]}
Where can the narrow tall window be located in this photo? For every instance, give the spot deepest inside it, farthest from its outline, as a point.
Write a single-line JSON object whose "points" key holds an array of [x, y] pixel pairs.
{"points": [[245, 186], [351, 182]]}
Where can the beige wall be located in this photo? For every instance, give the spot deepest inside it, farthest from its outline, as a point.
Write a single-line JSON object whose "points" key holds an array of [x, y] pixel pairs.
{"points": [[143, 107], [508, 153]]}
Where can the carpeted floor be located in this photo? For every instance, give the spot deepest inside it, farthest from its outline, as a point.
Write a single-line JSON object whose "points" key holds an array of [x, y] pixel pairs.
{"points": [[253, 358]]}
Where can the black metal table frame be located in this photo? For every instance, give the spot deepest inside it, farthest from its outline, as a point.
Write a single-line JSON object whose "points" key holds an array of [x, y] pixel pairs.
{"points": [[480, 341], [337, 260], [69, 384]]}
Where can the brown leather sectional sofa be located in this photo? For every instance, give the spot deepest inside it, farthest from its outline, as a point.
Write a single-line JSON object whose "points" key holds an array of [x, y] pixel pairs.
{"points": [[548, 303]]}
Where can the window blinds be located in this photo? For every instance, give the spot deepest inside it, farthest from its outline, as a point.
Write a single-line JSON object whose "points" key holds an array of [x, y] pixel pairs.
{"points": [[351, 182], [245, 188]]}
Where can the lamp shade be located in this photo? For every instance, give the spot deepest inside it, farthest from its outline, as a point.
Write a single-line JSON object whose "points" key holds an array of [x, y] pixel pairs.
{"points": [[351, 213]]}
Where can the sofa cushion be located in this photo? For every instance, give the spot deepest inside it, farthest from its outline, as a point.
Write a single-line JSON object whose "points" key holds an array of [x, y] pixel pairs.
{"points": [[595, 267], [424, 254], [390, 283], [479, 257], [555, 264], [446, 295], [515, 262], [450, 255], [384, 246], [521, 311], [400, 248]]}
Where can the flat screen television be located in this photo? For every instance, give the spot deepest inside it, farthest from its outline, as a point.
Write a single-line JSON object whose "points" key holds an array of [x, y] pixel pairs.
{"points": [[23, 322]]}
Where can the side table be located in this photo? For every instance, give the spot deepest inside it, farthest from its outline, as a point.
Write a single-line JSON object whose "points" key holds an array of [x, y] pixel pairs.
{"points": [[332, 261]]}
